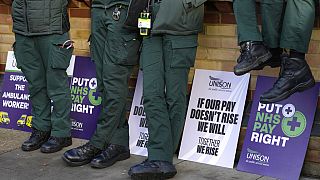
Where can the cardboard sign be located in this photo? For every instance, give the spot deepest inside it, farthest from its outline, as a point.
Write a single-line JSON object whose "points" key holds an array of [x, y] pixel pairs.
{"points": [[138, 126], [214, 117], [278, 134], [15, 109]]}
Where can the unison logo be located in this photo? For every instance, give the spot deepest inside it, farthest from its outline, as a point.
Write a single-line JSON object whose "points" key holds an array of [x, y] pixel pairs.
{"points": [[216, 82], [254, 155], [76, 125]]}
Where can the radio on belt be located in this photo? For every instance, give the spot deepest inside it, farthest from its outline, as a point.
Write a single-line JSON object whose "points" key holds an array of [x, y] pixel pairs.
{"points": [[144, 23]]}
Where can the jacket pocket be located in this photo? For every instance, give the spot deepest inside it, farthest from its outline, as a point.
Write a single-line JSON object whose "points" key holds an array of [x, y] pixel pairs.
{"points": [[124, 49], [60, 54], [184, 51]]}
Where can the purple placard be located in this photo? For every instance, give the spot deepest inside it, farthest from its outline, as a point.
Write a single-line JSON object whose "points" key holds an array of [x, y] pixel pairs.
{"points": [[15, 108], [278, 134], [15, 105], [85, 99]]}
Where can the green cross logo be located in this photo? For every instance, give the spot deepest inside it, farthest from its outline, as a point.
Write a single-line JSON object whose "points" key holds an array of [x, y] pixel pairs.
{"points": [[294, 126]]}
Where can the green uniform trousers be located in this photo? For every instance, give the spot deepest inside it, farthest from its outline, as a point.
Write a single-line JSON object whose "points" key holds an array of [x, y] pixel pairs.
{"points": [[287, 26], [44, 62], [114, 50], [166, 61]]}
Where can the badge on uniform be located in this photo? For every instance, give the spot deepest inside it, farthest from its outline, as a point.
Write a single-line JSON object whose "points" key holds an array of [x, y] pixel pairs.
{"points": [[144, 23], [116, 14]]}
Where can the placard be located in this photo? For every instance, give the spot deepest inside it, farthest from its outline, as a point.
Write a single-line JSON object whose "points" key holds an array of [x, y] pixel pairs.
{"points": [[214, 117], [15, 109], [278, 133], [138, 126]]}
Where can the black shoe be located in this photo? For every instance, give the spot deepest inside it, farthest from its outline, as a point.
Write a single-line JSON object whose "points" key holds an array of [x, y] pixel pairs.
{"points": [[81, 155], [295, 76], [153, 170], [253, 54], [55, 144], [111, 155], [36, 140]]}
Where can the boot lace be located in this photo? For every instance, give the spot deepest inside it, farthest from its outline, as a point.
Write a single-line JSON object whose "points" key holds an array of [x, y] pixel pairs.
{"points": [[284, 74], [245, 54]]}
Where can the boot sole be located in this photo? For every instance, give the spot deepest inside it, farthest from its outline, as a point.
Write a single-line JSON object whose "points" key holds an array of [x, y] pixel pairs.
{"points": [[299, 88], [254, 65], [148, 176], [23, 148], [74, 164], [110, 162], [169, 175], [271, 65], [47, 151]]}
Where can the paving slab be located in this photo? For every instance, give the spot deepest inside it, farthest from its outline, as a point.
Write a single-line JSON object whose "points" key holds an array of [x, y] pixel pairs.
{"points": [[18, 165], [11, 139]]}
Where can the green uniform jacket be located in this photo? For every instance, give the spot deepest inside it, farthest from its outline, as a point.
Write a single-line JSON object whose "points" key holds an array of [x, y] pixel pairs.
{"points": [[40, 17], [108, 3], [179, 17]]}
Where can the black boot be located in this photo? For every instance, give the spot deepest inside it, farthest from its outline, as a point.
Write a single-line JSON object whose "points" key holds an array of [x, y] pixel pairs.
{"points": [[81, 155], [295, 76], [36, 140], [153, 170], [111, 155], [55, 144], [274, 61], [253, 54]]}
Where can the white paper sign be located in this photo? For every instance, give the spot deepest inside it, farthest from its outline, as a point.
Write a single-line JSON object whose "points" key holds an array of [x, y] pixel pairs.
{"points": [[214, 117], [11, 64], [138, 127]]}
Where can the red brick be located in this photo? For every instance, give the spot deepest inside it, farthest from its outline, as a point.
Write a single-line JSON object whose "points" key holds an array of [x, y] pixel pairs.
{"points": [[212, 18], [74, 4], [224, 7], [4, 9], [2, 67], [7, 2], [81, 13], [228, 19]]}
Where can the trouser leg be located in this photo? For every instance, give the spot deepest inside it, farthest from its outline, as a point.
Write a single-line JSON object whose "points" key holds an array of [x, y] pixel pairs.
{"points": [[180, 52], [57, 60], [30, 61], [247, 26], [272, 12], [297, 25], [112, 46], [160, 143]]}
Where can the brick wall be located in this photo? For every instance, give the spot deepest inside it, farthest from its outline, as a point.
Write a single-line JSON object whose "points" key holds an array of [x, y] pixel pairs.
{"points": [[217, 50]]}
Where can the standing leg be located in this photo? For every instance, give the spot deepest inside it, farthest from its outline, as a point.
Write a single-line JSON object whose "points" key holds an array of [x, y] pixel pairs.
{"points": [[30, 61], [57, 60], [180, 52]]}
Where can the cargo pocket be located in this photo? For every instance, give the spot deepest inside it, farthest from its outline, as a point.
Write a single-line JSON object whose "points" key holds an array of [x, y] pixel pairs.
{"points": [[124, 49], [60, 55], [184, 52]]}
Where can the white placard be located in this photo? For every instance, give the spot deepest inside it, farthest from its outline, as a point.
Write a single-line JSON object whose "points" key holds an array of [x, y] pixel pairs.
{"points": [[11, 64], [138, 127], [214, 117]]}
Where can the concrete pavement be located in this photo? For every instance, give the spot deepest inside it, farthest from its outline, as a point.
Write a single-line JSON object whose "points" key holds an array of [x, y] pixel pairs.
{"points": [[18, 165]]}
